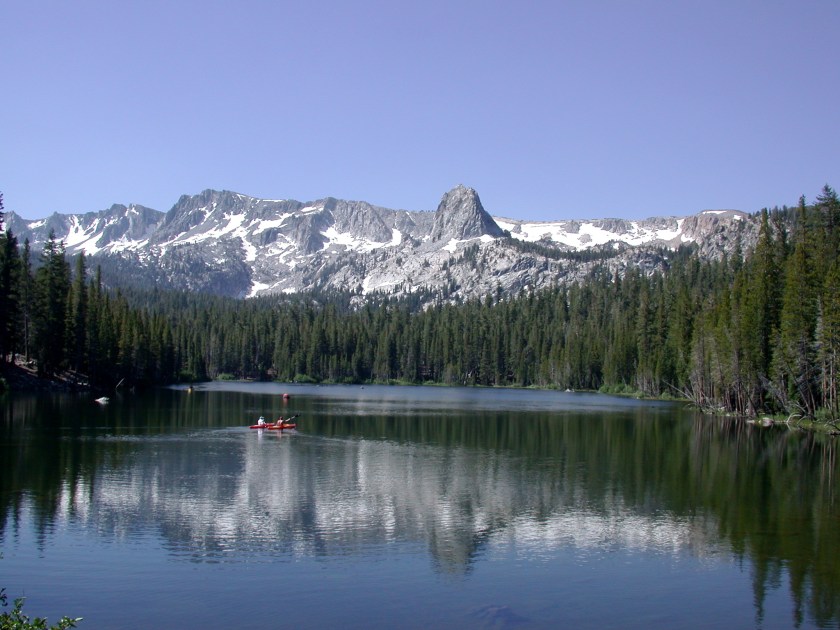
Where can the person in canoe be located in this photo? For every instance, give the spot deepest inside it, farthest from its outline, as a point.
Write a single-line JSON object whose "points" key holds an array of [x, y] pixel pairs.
{"points": [[279, 422], [261, 421]]}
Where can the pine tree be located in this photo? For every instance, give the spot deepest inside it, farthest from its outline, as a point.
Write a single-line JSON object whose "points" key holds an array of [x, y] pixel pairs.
{"points": [[827, 207], [795, 367], [52, 283], [765, 294], [829, 337], [646, 340], [27, 298], [10, 302], [77, 325]]}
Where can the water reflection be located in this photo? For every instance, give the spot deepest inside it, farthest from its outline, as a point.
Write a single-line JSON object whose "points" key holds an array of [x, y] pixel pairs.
{"points": [[368, 472]]}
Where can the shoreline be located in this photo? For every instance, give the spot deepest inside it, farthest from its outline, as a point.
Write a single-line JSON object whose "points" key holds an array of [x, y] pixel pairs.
{"points": [[20, 377]]}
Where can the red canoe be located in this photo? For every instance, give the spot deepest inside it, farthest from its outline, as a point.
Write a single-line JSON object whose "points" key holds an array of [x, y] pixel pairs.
{"points": [[273, 427]]}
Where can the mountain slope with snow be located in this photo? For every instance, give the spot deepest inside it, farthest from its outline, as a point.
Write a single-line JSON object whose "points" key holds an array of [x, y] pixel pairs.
{"points": [[232, 244]]}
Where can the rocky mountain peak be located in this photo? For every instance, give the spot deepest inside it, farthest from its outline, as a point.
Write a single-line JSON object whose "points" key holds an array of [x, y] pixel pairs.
{"points": [[193, 211], [461, 216]]}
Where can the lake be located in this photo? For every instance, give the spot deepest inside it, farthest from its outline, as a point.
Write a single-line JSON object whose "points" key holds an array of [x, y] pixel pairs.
{"points": [[412, 507]]}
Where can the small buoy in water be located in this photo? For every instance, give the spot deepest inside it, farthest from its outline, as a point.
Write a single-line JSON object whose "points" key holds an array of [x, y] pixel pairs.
{"points": [[103, 401], [286, 397]]}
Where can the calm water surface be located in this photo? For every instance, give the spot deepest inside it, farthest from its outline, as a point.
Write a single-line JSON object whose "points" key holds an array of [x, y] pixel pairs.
{"points": [[412, 508]]}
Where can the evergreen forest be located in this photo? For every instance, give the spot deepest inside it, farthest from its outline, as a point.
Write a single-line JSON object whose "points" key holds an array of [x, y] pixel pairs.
{"points": [[752, 333]]}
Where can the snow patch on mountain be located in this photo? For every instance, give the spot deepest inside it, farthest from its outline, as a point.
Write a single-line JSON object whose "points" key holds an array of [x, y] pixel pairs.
{"points": [[257, 288], [263, 225], [378, 283], [251, 251], [78, 236], [233, 227], [347, 240], [579, 235], [452, 245], [120, 245], [734, 214]]}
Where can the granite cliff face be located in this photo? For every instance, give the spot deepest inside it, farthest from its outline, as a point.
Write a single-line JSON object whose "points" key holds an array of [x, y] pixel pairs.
{"points": [[461, 216], [231, 244]]}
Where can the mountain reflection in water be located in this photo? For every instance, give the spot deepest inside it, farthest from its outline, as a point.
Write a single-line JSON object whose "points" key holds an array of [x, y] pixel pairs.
{"points": [[527, 474]]}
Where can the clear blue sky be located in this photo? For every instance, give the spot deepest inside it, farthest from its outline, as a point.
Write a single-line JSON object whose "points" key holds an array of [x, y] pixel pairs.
{"points": [[550, 110]]}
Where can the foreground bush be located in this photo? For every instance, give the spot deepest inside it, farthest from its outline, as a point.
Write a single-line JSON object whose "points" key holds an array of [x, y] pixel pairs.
{"points": [[17, 620]]}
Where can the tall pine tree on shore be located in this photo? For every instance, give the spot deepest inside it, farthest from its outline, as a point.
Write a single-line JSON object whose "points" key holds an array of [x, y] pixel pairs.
{"points": [[52, 281]]}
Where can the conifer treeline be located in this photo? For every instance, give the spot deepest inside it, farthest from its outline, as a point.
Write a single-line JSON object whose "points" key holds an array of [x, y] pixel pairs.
{"points": [[750, 334]]}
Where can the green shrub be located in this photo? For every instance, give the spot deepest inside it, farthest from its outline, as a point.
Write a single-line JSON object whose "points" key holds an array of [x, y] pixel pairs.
{"points": [[186, 377], [16, 620], [304, 378]]}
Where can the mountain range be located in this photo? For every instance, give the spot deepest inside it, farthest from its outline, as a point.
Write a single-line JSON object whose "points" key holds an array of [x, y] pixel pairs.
{"points": [[231, 244]]}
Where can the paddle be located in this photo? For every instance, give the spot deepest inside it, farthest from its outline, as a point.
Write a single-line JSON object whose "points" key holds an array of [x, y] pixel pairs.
{"points": [[289, 419]]}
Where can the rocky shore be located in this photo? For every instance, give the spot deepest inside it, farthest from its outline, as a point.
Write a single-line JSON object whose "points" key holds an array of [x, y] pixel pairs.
{"points": [[23, 376]]}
